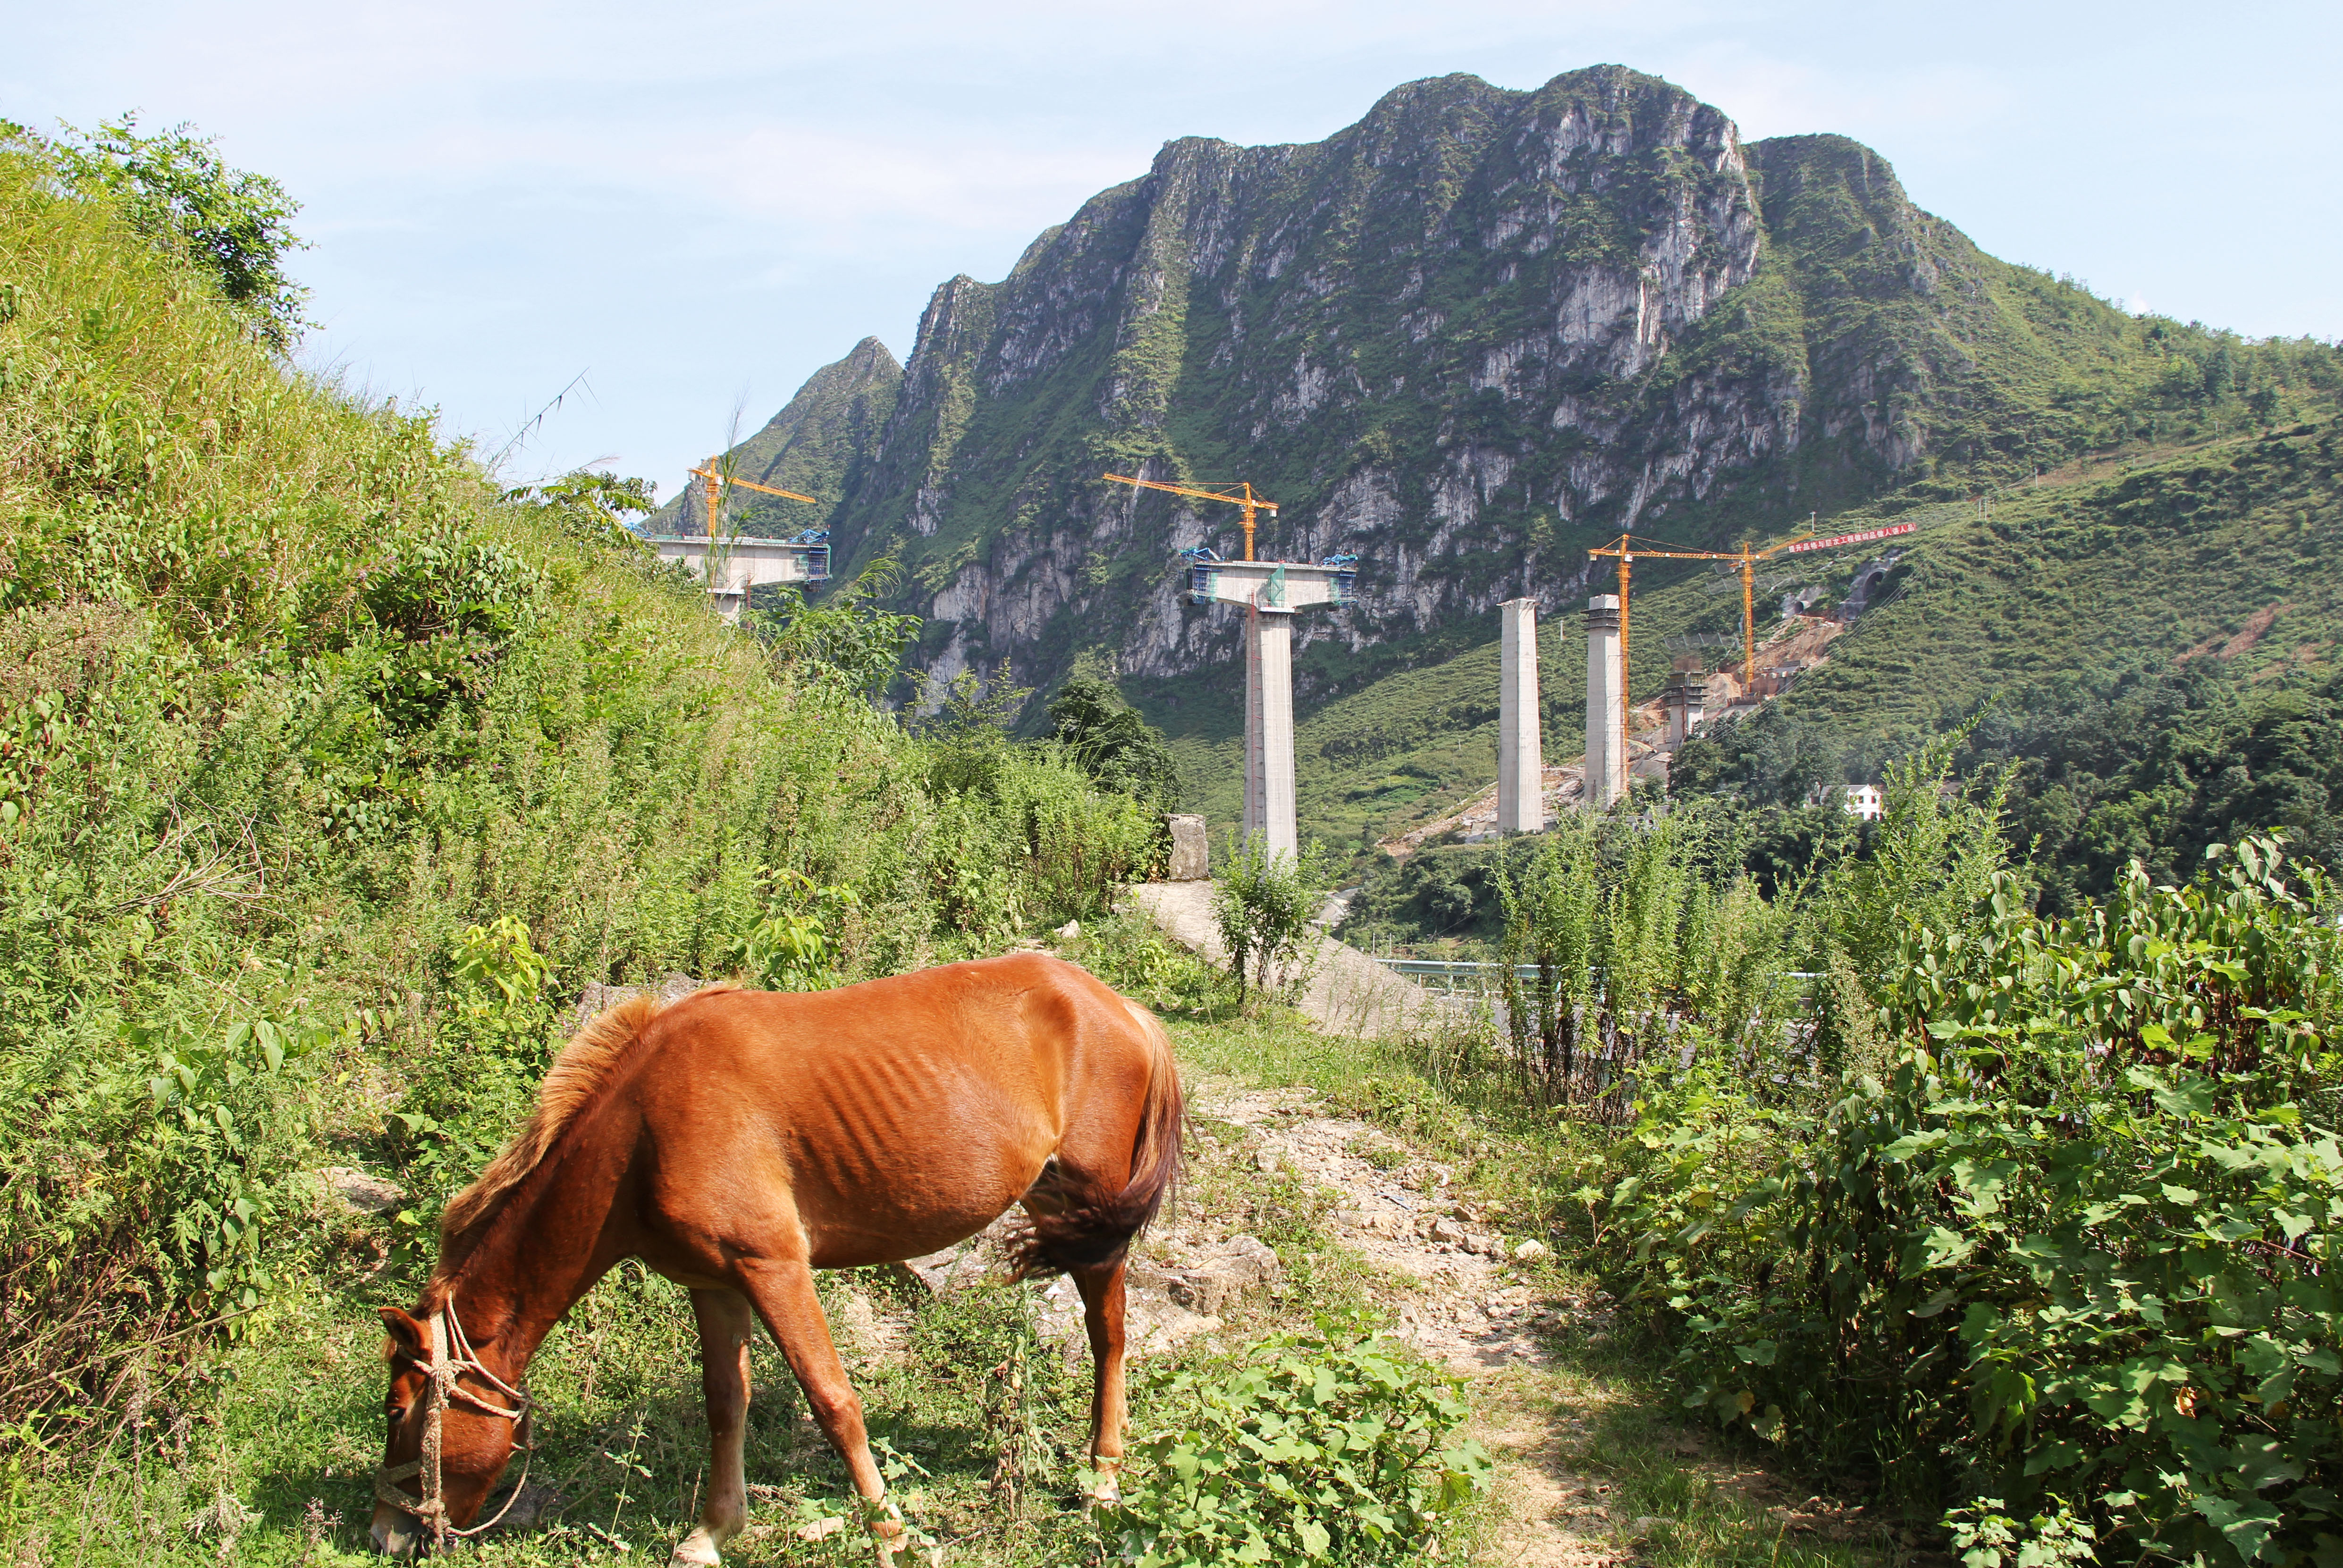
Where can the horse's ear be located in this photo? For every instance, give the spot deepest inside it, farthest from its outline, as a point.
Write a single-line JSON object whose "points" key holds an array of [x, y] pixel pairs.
{"points": [[405, 1332]]}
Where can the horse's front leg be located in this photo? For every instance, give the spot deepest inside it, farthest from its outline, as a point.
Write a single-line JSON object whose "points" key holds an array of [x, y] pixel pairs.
{"points": [[1101, 1288], [784, 1297], [726, 1323]]}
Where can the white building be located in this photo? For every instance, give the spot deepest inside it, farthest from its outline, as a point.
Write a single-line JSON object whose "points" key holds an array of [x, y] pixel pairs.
{"points": [[1864, 800]]}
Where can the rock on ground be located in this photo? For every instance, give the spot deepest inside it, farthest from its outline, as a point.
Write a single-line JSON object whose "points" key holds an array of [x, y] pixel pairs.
{"points": [[1192, 850], [361, 1192], [597, 1000]]}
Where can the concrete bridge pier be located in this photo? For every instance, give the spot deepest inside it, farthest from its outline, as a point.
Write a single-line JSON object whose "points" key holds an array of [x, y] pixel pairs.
{"points": [[1606, 705], [1271, 591], [1521, 758], [1269, 731]]}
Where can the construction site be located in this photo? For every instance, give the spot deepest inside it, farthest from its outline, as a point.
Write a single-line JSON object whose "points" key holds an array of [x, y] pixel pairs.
{"points": [[1628, 742]]}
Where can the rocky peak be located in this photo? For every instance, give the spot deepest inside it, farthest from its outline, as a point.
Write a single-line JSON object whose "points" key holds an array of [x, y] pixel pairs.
{"points": [[817, 445], [1462, 338]]}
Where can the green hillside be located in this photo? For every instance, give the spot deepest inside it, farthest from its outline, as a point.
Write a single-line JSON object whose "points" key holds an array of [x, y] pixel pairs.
{"points": [[331, 779], [2228, 551], [2234, 552]]}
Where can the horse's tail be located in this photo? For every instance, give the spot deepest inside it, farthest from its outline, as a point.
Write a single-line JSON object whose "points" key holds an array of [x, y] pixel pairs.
{"points": [[1083, 1229]]}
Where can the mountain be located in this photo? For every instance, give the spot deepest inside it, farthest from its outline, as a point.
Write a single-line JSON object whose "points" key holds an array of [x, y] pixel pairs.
{"points": [[1465, 339], [820, 446]]}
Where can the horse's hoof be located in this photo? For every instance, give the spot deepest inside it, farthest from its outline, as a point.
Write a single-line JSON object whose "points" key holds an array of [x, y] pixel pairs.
{"points": [[699, 1548]]}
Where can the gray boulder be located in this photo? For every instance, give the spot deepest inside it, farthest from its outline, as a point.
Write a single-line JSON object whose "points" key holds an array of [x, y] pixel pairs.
{"points": [[361, 1192], [1191, 850]]}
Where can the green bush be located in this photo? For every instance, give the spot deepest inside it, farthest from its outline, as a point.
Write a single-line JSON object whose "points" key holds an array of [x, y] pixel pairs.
{"points": [[1131, 954], [1081, 841], [794, 947], [2074, 1248], [1109, 740], [1320, 1447], [1264, 905]]}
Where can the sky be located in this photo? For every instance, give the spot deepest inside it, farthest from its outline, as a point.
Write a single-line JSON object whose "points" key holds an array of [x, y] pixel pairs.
{"points": [[669, 216]]}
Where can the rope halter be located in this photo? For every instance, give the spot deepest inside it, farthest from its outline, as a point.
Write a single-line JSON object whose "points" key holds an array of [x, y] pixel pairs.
{"points": [[452, 1356]]}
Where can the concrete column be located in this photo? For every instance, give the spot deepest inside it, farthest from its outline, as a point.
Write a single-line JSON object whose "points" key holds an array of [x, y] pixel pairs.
{"points": [[1606, 756], [1521, 758], [1680, 702], [1269, 731]]}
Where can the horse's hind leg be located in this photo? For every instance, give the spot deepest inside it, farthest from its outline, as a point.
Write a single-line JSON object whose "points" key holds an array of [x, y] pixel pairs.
{"points": [[725, 1325], [1101, 1288], [784, 1297]]}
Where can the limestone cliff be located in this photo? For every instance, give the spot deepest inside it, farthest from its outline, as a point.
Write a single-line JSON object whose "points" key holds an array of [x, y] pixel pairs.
{"points": [[1463, 339]]}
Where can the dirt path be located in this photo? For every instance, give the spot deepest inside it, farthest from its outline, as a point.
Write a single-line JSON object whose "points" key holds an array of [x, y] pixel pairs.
{"points": [[1448, 1267], [1461, 1297]]}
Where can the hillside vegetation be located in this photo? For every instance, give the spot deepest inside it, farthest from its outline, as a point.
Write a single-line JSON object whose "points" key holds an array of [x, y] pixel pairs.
{"points": [[2223, 554], [330, 776]]}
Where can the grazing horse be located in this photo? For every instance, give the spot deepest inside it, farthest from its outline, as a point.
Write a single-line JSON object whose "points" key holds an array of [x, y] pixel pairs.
{"points": [[736, 1141]]}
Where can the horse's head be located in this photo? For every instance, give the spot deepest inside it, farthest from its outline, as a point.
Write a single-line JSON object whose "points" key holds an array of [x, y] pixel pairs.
{"points": [[474, 1414]]}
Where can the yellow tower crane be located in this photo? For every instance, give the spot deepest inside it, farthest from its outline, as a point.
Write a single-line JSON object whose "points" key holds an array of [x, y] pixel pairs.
{"points": [[716, 481], [1746, 558], [1242, 497]]}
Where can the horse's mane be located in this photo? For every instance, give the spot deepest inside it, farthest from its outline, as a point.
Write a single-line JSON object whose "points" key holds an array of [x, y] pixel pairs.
{"points": [[574, 1082]]}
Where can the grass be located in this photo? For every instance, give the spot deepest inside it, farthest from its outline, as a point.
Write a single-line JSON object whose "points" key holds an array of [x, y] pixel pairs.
{"points": [[291, 696], [286, 1424], [1597, 1423]]}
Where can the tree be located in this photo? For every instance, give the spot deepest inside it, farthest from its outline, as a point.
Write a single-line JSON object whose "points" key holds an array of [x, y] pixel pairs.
{"points": [[176, 189], [591, 504], [1264, 906], [1111, 742], [847, 637], [2220, 373]]}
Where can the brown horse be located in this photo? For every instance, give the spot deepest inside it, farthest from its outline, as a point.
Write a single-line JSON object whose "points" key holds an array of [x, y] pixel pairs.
{"points": [[738, 1141]]}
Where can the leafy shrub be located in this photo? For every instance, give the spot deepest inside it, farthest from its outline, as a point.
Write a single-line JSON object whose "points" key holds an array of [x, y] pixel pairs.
{"points": [[794, 947], [2079, 1238], [165, 1171], [174, 189], [1264, 906], [1109, 740], [1985, 1537], [591, 506], [1080, 841], [1322, 1447], [846, 638], [1127, 952], [219, 1145], [480, 1075], [500, 982]]}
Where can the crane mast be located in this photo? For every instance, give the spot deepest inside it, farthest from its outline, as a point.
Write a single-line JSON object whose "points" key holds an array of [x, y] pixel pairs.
{"points": [[717, 481], [1745, 560]]}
